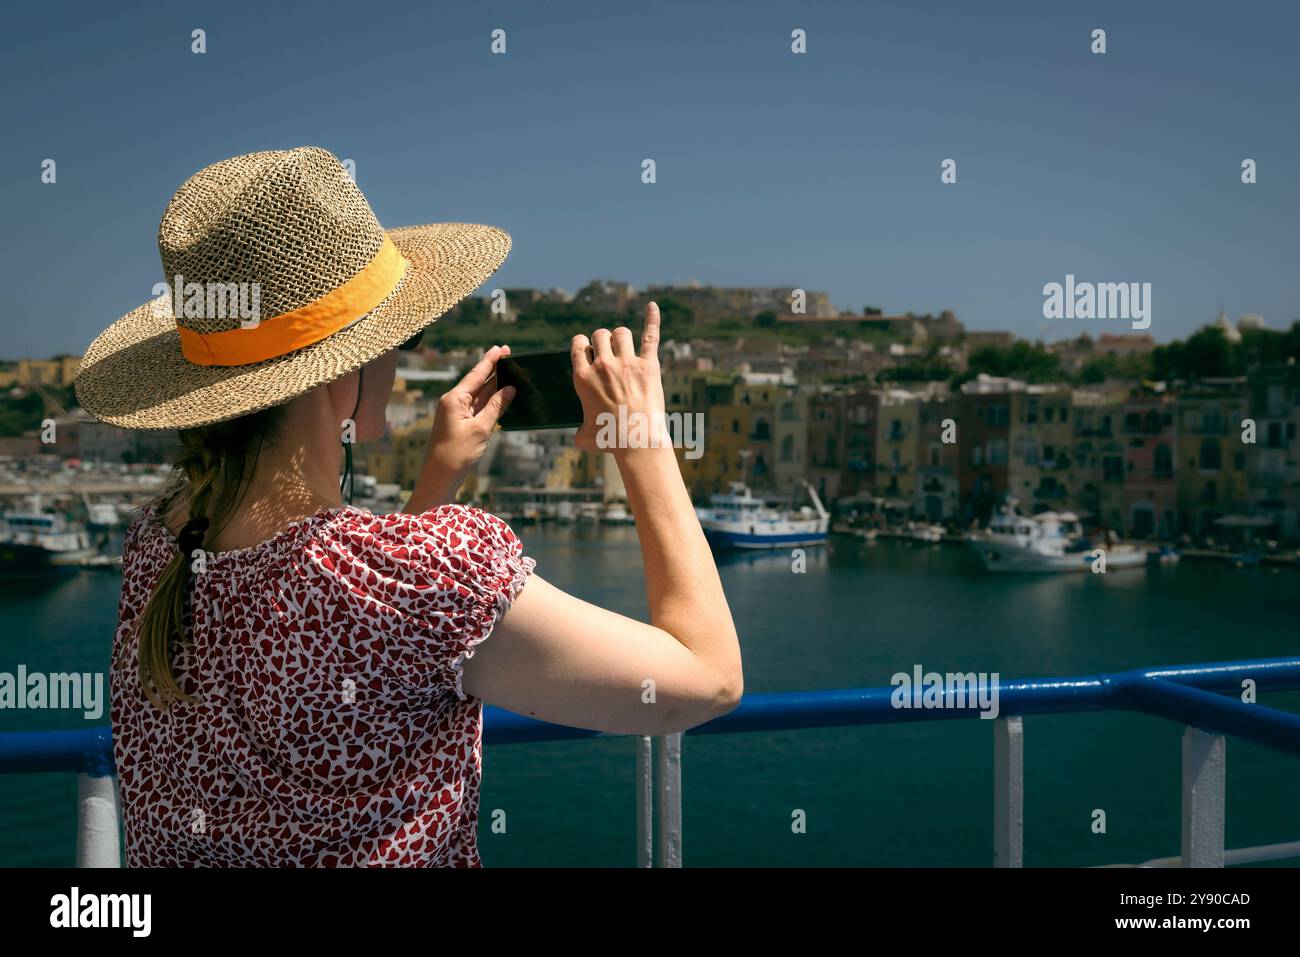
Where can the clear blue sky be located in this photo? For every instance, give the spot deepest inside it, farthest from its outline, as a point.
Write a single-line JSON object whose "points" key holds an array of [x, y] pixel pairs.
{"points": [[820, 171]]}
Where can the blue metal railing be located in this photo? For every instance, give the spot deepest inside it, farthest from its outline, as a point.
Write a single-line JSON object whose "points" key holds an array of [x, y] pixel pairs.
{"points": [[1189, 694], [1183, 693]]}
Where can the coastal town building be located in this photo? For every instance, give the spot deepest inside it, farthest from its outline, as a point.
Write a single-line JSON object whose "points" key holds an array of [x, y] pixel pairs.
{"points": [[1211, 465], [1273, 461], [937, 457]]}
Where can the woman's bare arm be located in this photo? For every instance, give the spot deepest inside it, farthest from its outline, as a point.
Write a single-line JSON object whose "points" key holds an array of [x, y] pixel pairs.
{"points": [[561, 659]]}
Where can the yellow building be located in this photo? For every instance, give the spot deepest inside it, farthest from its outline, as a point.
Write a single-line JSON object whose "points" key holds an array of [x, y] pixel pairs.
{"points": [[1211, 460], [398, 458], [897, 424], [726, 436], [1042, 436], [1097, 465], [59, 371]]}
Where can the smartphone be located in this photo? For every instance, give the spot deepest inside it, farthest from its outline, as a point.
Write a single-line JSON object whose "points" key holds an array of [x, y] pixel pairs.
{"points": [[544, 393]]}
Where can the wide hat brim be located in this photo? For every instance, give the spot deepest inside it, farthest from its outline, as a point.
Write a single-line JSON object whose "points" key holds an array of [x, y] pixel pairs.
{"points": [[134, 374]]}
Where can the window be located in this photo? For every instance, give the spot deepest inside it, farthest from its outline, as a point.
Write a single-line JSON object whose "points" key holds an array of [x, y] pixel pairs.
{"points": [[998, 449], [1164, 462], [1276, 399], [1211, 455], [787, 449]]}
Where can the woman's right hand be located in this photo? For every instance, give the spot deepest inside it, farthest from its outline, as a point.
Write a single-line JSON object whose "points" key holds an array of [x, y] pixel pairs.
{"points": [[610, 376], [466, 418]]}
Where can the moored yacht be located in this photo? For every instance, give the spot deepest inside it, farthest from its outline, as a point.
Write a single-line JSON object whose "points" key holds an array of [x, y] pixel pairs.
{"points": [[1047, 542]]}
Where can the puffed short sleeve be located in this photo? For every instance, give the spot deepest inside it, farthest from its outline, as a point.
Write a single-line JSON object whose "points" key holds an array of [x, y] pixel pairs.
{"points": [[431, 587]]}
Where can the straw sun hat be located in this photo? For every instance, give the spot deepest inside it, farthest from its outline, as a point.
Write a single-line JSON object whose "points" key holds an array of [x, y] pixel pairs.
{"points": [[287, 233]]}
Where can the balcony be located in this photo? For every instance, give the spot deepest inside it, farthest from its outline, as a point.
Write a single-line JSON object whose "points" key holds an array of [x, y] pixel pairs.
{"points": [[1204, 698]]}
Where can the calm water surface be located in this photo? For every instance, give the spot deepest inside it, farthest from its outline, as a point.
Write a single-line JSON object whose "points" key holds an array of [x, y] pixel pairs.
{"points": [[889, 795]]}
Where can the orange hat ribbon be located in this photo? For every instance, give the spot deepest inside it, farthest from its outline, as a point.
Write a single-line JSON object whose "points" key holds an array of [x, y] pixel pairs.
{"points": [[300, 327]]}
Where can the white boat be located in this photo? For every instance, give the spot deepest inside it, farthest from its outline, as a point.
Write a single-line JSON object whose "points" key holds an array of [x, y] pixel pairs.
{"points": [[564, 513], [36, 541], [616, 513], [739, 520], [589, 513], [1047, 542], [925, 532], [102, 516]]}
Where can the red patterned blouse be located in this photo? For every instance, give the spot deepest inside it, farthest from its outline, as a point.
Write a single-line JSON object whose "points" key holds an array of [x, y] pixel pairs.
{"points": [[331, 728]]}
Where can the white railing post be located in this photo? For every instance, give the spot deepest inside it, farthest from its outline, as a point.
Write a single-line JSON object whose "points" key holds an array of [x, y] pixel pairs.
{"points": [[1009, 792], [1204, 788], [97, 819], [645, 808], [668, 789]]}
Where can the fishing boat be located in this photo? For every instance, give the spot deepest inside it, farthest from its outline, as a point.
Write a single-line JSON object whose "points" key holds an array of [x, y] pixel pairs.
{"points": [[1047, 542], [737, 519], [36, 541]]}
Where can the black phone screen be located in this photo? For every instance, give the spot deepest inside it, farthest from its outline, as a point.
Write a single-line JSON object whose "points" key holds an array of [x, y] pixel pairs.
{"points": [[544, 393]]}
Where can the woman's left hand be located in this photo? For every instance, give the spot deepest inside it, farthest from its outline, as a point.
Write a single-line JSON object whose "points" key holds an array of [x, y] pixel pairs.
{"points": [[466, 418]]}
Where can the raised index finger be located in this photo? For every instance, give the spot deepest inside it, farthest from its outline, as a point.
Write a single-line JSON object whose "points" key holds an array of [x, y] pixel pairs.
{"points": [[650, 335]]}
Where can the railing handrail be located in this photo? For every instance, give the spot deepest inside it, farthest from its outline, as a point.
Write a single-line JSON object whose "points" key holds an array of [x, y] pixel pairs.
{"points": [[1184, 693]]}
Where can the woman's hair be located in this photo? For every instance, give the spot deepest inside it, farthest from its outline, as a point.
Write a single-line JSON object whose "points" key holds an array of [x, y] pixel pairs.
{"points": [[213, 468]]}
